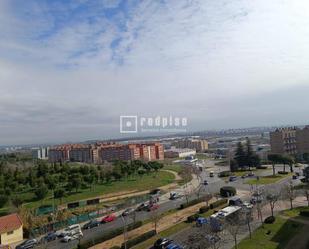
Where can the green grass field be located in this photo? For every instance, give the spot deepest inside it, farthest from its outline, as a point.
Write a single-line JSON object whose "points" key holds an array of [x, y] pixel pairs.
{"points": [[272, 236], [267, 179], [174, 167], [295, 212], [147, 182]]}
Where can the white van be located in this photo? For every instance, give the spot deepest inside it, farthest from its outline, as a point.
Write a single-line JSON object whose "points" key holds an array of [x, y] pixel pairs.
{"points": [[74, 229]]}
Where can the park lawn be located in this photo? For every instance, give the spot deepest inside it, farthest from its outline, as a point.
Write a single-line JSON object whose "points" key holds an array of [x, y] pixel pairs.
{"points": [[174, 167], [267, 179], [295, 212], [281, 232], [241, 173], [147, 182], [201, 156]]}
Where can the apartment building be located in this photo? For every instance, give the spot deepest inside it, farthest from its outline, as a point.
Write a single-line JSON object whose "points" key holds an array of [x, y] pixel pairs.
{"points": [[290, 141], [59, 153], [40, 153], [97, 153], [200, 145]]}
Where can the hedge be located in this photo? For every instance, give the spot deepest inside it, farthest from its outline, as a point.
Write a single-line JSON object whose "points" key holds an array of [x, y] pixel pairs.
{"points": [[204, 209], [107, 236], [217, 203], [283, 172], [227, 191], [145, 236], [192, 218], [225, 173], [304, 213], [190, 203], [270, 220]]}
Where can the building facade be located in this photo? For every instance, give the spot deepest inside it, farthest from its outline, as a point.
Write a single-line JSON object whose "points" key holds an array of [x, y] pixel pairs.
{"points": [[11, 229], [290, 141], [200, 145], [179, 153], [40, 153]]}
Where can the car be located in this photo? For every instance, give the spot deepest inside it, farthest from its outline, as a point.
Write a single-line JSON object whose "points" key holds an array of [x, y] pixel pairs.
{"points": [[247, 205], [128, 211], [50, 236], [162, 243], [174, 196], [232, 178], [250, 174], [30, 243], [156, 191], [200, 221], [152, 207], [211, 174], [91, 224], [294, 177], [244, 176], [142, 207], [108, 218], [205, 182], [254, 200], [174, 246], [69, 238]]}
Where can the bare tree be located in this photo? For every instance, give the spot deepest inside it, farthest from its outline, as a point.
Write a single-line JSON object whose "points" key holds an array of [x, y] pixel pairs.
{"points": [[306, 192], [259, 199], [155, 218], [233, 227], [272, 199], [290, 192]]}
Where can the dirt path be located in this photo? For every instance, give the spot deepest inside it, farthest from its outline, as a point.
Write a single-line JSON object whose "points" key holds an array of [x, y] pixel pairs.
{"points": [[163, 224]]}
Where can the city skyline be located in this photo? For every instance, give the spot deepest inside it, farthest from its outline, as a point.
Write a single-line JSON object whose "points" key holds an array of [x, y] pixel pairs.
{"points": [[69, 69]]}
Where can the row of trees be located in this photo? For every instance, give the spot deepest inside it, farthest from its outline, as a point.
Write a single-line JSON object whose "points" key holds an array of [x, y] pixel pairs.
{"points": [[275, 159], [245, 157], [62, 179]]}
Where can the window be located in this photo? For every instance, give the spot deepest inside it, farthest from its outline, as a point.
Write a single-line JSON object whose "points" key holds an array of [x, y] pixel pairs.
{"points": [[9, 233]]}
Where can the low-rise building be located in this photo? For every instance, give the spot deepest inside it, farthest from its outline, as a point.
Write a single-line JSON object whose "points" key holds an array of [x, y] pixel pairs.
{"points": [[40, 153], [179, 153], [11, 229], [200, 145]]}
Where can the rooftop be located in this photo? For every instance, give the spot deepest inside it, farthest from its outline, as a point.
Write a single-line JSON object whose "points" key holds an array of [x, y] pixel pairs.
{"points": [[9, 223]]}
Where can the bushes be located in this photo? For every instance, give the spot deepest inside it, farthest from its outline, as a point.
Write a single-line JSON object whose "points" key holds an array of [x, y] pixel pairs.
{"points": [[283, 172], [217, 203], [227, 191], [192, 218], [204, 209], [139, 239], [304, 213], [190, 203], [270, 220], [109, 235], [225, 173]]}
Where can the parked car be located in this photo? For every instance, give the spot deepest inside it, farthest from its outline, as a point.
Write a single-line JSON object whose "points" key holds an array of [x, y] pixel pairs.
{"points": [[244, 176], [250, 174], [108, 218], [152, 207], [211, 174], [128, 211], [174, 196], [156, 191], [174, 246], [294, 177], [232, 178], [255, 200], [205, 182], [50, 236], [30, 243], [142, 207], [69, 238], [162, 243], [91, 224], [200, 221]]}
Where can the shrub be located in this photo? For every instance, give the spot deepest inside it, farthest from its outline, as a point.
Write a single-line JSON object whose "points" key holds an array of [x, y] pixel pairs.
{"points": [[262, 167], [225, 173], [139, 239], [111, 234], [227, 191], [217, 203], [270, 220], [304, 213], [283, 172], [204, 209], [192, 218], [190, 203]]}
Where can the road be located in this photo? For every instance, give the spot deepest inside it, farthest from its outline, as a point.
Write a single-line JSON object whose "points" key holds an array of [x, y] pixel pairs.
{"points": [[214, 185]]}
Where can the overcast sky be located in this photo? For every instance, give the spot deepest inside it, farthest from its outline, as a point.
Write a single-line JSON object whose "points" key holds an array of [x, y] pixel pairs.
{"points": [[69, 69]]}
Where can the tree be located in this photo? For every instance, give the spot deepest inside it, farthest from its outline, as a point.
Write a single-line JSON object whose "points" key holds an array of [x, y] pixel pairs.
{"points": [[272, 199], [75, 181], [249, 154], [41, 191], [3, 200], [274, 159], [59, 194], [240, 156], [17, 202], [233, 226], [306, 192]]}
